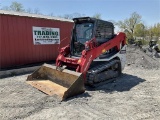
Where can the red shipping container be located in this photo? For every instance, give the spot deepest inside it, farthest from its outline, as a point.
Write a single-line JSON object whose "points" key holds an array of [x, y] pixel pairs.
{"points": [[16, 38]]}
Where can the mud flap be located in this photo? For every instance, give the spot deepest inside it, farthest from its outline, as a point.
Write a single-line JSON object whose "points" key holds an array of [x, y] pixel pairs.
{"points": [[64, 83]]}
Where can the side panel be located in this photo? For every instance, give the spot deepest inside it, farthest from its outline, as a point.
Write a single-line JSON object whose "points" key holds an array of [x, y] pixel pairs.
{"points": [[121, 55], [16, 40]]}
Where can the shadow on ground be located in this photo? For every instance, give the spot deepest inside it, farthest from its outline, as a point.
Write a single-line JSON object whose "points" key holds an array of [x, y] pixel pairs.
{"points": [[123, 83]]}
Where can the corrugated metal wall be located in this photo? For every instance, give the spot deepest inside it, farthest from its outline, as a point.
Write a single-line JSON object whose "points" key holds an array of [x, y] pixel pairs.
{"points": [[16, 40]]}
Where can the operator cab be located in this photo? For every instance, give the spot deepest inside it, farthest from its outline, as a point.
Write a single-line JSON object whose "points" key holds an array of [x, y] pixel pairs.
{"points": [[87, 28]]}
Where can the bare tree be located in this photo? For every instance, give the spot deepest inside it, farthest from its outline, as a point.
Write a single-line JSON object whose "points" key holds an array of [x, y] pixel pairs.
{"points": [[97, 15], [51, 14], [73, 15], [29, 10], [68, 16], [128, 25], [37, 11]]}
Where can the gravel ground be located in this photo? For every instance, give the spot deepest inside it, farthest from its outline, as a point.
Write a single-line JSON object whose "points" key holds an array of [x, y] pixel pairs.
{"points": [[137, 58], [133, 96]]}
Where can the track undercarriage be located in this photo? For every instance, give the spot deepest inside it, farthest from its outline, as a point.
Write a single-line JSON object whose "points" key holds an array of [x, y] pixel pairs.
{"points": [[103, 72]]}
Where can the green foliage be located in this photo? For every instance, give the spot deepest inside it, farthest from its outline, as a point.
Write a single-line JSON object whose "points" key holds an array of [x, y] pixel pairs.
{"points": [[140, 30], [133, 27], [155, 30], [128, 24], [15, 6]]}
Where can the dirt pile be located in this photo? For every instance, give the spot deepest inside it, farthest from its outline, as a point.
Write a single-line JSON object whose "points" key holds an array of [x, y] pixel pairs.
{"points": [[137, 58]]}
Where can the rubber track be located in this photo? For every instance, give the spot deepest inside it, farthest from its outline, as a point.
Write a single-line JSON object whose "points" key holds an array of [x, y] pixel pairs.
{"points": [[98, 69]]}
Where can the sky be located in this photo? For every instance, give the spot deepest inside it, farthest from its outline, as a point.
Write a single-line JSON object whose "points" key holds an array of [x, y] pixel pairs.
{"points": [[109, 9]]}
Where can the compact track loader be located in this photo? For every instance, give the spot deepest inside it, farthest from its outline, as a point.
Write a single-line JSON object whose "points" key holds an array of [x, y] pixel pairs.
{"points": [[95, 54]]}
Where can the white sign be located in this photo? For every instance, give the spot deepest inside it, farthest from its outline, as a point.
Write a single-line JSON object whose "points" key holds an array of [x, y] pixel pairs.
{"points": [[45, 35]]}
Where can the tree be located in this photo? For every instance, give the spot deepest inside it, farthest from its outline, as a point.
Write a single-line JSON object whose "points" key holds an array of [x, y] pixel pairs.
{"points": [[156, 30], [36, 11], [29, 10], [97, 16], [68, 16], [73, 15], [140, 30], [15, 6], [128, 25], [153, 31], [51, 14]]}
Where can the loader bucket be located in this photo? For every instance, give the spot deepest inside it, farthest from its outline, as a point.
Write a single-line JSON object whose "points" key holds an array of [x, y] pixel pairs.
{"points": [[64, 83]]}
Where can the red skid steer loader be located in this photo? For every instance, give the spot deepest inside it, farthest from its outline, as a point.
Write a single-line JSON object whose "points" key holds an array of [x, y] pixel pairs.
{"points": [[95, 54]]}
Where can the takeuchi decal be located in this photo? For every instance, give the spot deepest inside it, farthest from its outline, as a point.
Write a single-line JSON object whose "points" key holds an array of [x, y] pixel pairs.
{"points": [[46, 35]]}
